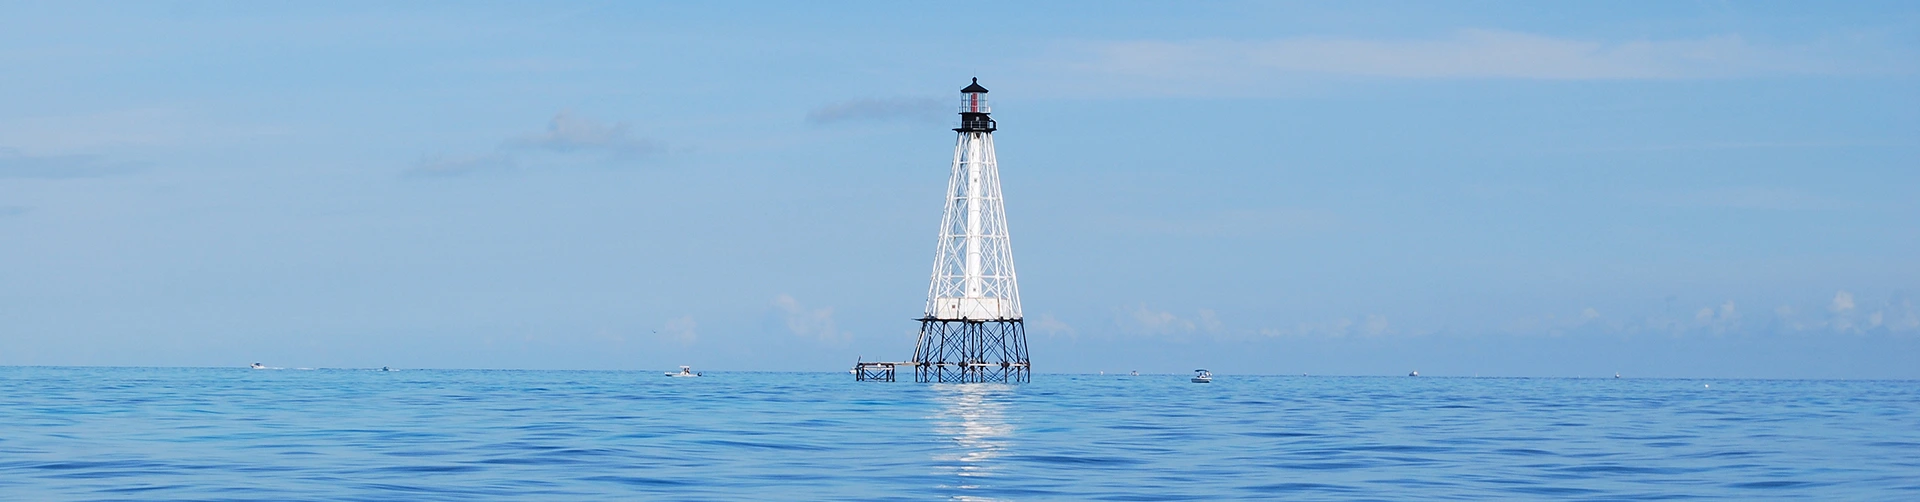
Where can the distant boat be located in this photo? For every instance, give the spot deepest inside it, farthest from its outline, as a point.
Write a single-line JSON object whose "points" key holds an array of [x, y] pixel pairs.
{"points": [[1616, 375], [685, 372], [1136, 372], [1202, 376], [258, 366], [1414, 373]]}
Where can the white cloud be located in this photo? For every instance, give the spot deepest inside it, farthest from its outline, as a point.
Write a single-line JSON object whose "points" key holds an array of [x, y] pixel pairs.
{"points": [[1896, 315], [1374, 326], [1143, 320], [1140, 319], [879, 109], [1718, 321], [1367, 325], [1209, 321], [1050, 326], [810, 323], [1841, 312], [1905, 316], [683, 330]]}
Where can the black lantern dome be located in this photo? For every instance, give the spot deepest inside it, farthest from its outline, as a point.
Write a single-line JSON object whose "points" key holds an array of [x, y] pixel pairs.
{"points": [[975, 86]]}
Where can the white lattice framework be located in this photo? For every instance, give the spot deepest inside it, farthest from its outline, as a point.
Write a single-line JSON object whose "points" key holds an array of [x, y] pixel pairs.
{"points": [[972, 331], [973, 276]]}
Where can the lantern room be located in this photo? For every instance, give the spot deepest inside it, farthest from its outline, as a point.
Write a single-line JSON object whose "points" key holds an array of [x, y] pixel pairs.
{"points": [[974, 109], [973, 99]]}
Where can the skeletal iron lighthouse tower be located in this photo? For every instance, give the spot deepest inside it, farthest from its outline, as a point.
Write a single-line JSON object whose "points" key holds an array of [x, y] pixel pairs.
{"points": [[972, 330]]}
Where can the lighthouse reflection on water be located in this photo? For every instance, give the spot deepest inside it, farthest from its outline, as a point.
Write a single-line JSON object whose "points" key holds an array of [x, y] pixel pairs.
{"points": [[974, 416]]}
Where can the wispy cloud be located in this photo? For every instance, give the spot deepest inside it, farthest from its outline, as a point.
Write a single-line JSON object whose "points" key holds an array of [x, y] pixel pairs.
{"points": [[14, 164], [1746, 197], [567, 134], [1230, 223], [449, 166], [810, 323], [143, 127], [878, 109], [1212, 65]]}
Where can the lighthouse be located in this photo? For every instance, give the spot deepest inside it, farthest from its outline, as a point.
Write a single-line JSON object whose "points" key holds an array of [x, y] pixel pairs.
{"points": [[972, 330]]}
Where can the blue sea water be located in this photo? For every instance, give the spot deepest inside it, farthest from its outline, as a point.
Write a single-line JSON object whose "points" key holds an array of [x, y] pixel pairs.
{"points": [[239, 434]]}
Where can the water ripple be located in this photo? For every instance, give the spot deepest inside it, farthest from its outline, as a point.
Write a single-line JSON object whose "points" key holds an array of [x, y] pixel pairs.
{"points": [[236, 434]]}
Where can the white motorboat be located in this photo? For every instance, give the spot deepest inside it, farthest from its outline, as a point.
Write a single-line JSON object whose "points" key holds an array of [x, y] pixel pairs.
{"points": [[1202, 376], [685, 372], [1414, 373], [258, 366]]}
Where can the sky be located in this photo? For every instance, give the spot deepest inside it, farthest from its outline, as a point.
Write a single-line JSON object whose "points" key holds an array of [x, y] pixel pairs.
{"points": [[1655, 189]]}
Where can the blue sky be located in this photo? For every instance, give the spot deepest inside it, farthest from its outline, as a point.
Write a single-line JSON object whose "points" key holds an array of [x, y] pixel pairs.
{"points": [[1713, 189]]}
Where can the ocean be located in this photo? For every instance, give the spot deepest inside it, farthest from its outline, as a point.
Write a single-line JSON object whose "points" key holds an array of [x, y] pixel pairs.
{"points": [[83, 433]]}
